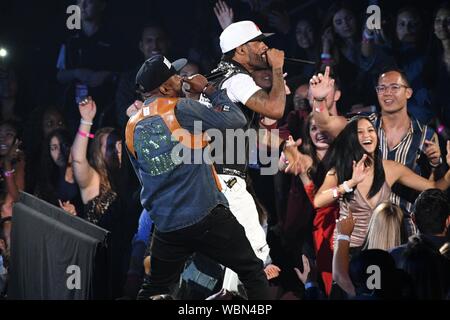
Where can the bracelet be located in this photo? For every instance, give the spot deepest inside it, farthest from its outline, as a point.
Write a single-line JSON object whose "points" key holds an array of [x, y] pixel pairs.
{"points": [[86, 134], [320, 108], [436, 165], [335, 192], [9, 173], [86, 122], [346, 187], [343, 237]]}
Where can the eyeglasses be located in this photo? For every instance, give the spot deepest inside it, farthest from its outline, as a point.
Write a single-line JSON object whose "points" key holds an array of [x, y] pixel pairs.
{"points": [[393, 88]]}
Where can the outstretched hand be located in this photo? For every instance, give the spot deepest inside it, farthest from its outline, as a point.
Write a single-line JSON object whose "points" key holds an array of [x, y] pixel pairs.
{"points": [[432, 151], [272, 271], [360, 171], [309, 271], [297, 162], [87, 109], [224, 14], [68, 207], [345, 225], [321, 85]]}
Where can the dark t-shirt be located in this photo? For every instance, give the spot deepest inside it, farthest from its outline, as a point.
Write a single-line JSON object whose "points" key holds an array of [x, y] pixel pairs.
{"points": [[95, 53]]}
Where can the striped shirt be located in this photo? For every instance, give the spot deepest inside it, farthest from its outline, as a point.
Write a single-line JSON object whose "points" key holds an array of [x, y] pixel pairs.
{"points": [[409, 153]]}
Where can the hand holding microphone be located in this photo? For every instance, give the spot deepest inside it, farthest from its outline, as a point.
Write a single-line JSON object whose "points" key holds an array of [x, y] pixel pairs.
{"points": [[195, 83], [275, 58]]}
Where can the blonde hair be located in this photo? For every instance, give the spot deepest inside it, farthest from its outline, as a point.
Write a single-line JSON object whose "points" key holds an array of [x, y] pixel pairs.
{"points": [[384, 230]]}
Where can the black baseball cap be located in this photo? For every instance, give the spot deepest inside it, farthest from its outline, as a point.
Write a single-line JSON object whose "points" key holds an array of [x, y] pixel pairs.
{"points": [[155, 71]]}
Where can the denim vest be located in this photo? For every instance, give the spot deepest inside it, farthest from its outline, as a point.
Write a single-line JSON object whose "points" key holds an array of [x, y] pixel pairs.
{"points": [[176, 195]]}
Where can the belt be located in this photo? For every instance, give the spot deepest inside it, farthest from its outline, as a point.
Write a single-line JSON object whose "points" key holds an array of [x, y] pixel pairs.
{"points": [[233, 172]]}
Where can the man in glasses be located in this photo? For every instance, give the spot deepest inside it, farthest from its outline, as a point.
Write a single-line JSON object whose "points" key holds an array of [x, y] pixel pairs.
{"points": [[402, 138]]}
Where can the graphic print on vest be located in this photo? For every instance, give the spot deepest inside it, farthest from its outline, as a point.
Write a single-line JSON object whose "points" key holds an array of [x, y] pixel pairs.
{"points": [[154, 145]]}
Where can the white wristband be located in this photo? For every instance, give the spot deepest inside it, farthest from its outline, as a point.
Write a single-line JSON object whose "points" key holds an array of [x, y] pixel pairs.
{"points": [[86, 122], [335, 193], [343, 237], [346, 187]]}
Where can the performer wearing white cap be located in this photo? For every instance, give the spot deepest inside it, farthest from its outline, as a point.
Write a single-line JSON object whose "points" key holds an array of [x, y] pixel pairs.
{"points": [[244, 52]]}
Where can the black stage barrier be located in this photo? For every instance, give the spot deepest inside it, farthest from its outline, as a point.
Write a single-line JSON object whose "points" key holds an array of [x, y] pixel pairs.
{"points": [[56, 256]]}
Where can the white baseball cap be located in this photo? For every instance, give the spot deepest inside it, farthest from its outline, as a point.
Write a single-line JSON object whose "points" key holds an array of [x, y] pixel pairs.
{"points": [[238, 33]]}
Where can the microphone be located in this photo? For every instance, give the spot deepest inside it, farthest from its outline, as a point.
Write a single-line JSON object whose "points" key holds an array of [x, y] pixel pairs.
{"points": [[217, 74], [294, 60]]}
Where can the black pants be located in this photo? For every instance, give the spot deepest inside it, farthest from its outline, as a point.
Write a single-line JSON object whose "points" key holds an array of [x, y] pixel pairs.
{"points": [[218, 236]]}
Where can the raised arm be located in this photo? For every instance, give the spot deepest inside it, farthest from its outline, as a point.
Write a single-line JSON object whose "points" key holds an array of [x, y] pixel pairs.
{"points": [[341, 259], [320, 86], [84, 173], [325, 195], [91, 78], [402, 174], [333, 125], [298, 163], [224, 14], [329, 191], [271, 105]]}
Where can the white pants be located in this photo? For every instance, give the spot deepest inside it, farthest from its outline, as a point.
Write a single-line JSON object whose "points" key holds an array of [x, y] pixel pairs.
{"points": [[244, 209]]}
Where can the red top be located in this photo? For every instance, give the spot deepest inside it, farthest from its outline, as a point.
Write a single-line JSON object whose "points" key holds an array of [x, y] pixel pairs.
{"points": [[325, 218]]}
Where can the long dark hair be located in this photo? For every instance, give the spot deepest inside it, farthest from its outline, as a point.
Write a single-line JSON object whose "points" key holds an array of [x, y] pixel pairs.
{"points": [[300, 52], [328, 22], [310, 149], [334, 8], [345, 149], [49, 173]]}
